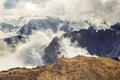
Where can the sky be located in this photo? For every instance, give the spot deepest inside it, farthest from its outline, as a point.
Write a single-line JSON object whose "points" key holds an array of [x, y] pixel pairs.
{"points": [[22, 11]]}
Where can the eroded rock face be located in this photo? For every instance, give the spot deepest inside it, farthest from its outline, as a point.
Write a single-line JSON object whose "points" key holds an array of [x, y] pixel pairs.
{"points": [[77, 68], [52, 51], [104, 43]]}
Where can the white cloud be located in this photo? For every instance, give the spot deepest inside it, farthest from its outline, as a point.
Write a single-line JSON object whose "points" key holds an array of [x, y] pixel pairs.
{"points": [[1, 4], [70, 9]]}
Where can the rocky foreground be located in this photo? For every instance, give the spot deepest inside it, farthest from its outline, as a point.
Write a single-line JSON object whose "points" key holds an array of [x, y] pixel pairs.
{"points": [[77, 68]]}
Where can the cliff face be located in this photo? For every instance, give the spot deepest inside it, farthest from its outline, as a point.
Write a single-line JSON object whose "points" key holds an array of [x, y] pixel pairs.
{"points": [[77, 68], [103, 43]]}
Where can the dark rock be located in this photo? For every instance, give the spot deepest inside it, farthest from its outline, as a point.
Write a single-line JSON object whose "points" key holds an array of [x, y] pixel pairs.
{"points": [[116, 26], [104, 43], [14, 40], [52, 51]]}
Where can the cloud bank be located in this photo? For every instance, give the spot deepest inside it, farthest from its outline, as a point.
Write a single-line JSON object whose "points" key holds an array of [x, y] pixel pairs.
{"points": [[21, 11]]}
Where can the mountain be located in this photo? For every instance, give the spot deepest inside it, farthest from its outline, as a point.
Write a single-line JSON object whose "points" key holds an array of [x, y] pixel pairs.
{"points": [[41, 49], [55, 24], [77, 68], [52, 51], [104, 43], [14, 40], [7, 27]]}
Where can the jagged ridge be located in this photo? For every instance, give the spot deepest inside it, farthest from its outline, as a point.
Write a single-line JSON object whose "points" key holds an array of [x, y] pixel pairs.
{"points": [[104, 43]]}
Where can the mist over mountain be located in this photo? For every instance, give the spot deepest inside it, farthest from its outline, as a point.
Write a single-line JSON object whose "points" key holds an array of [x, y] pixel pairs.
{"points": [[7, 27], [39, 32], [43, 41], [104, 43], [55, 24]]}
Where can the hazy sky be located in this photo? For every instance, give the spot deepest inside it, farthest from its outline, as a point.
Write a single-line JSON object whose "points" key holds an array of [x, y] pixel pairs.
{"points": [[8, 4], [15, 11]]}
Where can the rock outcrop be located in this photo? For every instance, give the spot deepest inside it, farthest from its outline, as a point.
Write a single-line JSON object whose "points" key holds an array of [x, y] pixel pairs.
{"points": [[104, 43], [15, 40]]}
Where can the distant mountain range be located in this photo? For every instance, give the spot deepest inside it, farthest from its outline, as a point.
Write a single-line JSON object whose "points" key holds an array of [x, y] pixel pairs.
{"points": [[99, 42], [55, 24], [7, 28]]}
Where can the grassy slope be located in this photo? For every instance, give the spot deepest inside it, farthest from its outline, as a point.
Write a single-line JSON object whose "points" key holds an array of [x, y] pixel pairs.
{"points": [[77, 68]]}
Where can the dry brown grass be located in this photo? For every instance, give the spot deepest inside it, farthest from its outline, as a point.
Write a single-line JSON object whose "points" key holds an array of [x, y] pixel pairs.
{"points": [[77, 68]]}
